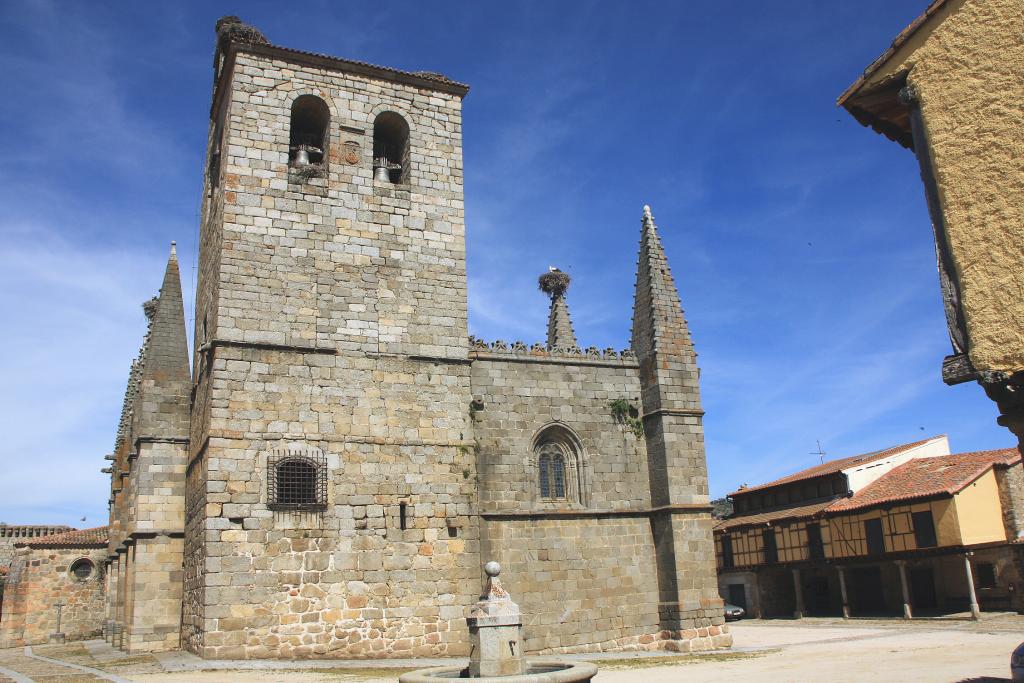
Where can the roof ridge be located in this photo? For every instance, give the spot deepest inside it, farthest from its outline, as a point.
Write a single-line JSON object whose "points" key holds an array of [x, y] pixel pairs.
{"points": [[830, 466]]}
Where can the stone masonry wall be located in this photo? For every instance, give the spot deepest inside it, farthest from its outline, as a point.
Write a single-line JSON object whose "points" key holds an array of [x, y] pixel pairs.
{"points": [[521, 394], [586, 577], [347, 581], [582, 584], [1010, 481], [156, 589], [39, 578]]}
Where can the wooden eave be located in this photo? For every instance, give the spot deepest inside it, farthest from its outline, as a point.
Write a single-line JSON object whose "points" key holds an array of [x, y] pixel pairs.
{"points": [[878, 106]]}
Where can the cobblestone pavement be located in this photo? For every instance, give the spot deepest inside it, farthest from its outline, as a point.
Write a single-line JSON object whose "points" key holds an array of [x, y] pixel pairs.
{"points": [[773, 651]]}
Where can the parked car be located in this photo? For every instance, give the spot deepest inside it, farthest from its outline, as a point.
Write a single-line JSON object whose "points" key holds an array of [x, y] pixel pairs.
{"points": [[1016, 663], [733, 612]]}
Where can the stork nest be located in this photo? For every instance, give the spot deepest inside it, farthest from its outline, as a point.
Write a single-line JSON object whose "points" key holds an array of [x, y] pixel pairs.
{"points": [[307, 171], [233, 28], [149, 307], [554, 282]]}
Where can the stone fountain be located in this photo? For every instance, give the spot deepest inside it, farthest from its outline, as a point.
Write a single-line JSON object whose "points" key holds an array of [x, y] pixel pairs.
{"points": [[495, 636]]}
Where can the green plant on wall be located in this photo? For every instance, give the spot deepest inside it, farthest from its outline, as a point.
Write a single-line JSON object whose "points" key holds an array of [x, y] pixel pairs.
{"points": [[626, 414]]}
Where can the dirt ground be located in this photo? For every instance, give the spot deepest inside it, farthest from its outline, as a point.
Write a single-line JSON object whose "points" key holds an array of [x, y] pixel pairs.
{"points": [[765, 651]]}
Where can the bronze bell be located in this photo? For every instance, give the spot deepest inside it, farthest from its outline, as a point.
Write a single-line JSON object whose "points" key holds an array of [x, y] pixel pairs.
{"points": [[302, 156]]}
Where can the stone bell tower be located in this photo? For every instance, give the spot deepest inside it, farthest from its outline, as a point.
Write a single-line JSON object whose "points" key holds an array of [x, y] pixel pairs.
{"points": [[330, 475]]}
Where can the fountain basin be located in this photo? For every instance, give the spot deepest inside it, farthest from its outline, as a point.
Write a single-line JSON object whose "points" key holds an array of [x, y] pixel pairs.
{"points": [[537, 671]]}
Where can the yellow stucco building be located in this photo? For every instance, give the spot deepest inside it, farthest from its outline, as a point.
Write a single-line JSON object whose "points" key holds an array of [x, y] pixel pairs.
{"points": [[909, 529], [949, 89]]}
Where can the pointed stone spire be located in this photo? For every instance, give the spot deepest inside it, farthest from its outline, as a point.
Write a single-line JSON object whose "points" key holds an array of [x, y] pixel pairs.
{"points": [[669, 378], [554, 283], [165, 370], [658, 322], [674, 440]]}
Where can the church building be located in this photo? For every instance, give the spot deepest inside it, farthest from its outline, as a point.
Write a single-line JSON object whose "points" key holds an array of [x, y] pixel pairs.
{"points": [[330, 472]]}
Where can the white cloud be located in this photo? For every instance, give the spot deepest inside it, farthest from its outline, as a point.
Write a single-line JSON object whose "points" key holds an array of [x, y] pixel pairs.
{"points": [[74, 324]]}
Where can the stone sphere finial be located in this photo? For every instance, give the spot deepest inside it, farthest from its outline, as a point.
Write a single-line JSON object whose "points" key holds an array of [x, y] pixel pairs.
{"points": [[492, 569]]}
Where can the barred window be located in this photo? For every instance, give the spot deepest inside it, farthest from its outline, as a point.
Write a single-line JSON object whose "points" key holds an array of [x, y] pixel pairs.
{"points": [[296, 481]]}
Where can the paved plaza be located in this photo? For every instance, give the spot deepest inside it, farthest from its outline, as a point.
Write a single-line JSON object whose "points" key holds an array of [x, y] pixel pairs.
{"points": [[806, 650]]}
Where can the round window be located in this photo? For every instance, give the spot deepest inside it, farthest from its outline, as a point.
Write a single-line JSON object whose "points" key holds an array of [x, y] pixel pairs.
{"points": [[82, 569]]}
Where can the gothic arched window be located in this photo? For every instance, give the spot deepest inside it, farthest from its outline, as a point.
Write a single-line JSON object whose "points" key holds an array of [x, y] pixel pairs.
{"points": [[560, 468], [390, 148], [551, 471], [308, 135]]}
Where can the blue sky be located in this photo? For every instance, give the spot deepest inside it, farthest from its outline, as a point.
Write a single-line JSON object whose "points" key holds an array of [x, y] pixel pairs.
{"points": [[799, 240]]}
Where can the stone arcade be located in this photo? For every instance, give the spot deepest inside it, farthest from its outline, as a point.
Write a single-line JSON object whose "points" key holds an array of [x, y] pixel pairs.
{"points": [[328, 479]]}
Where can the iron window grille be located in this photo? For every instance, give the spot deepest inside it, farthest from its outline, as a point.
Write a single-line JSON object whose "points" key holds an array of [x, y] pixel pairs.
{"points": [[297, 481]]}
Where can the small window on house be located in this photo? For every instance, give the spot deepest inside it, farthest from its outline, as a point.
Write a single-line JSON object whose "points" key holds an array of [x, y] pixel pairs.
{"points": [[815, 548], [924, 529], [837, 486], [307, 141], [986, 573], [390, 148], [875, 538], [727, 558], [771, 550], [296, 482], [82, 569]]}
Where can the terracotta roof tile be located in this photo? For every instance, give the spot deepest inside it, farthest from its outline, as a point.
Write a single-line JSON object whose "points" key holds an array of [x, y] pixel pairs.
{"points": [[773, 515], [76, 538], [926, 477], [833, 466]]}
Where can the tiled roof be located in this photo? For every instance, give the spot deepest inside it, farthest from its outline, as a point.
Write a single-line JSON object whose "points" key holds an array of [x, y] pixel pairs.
{"points": [[833, 466], [76, 538], [926, 477], [773, 515], [897, 43]]}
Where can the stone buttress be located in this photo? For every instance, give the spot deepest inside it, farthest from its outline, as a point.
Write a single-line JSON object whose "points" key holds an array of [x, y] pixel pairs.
{"points": [[148, 482], [672, 424]]}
